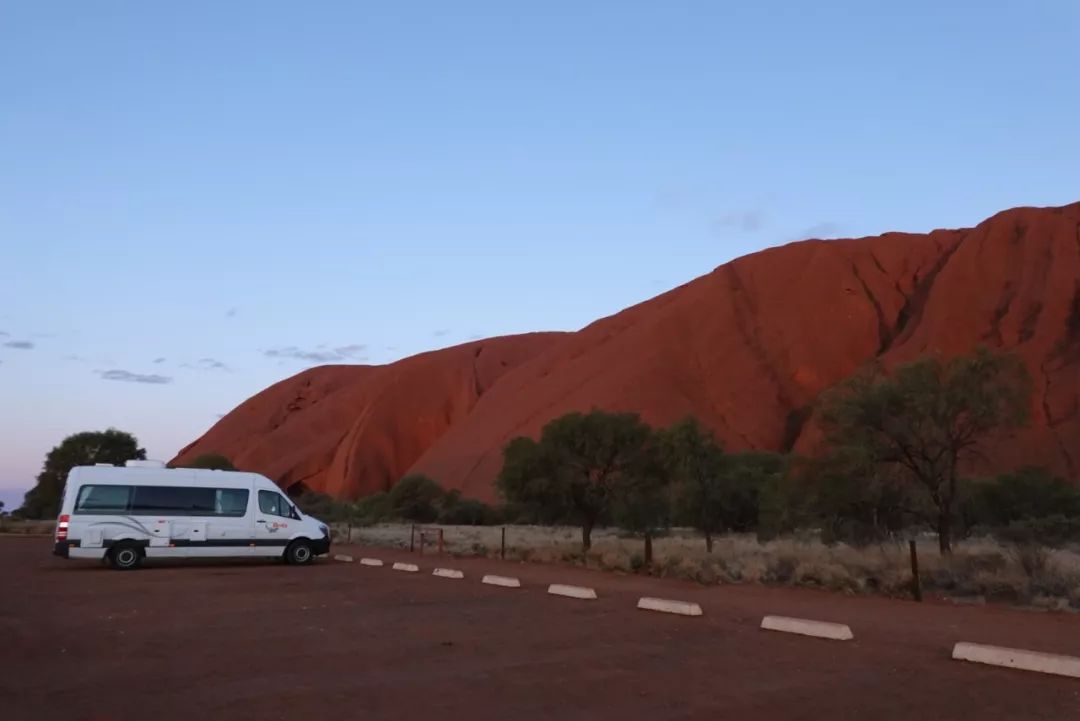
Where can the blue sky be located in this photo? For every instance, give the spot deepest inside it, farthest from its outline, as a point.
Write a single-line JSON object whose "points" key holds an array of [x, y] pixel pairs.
{"points": [[238, 189]]}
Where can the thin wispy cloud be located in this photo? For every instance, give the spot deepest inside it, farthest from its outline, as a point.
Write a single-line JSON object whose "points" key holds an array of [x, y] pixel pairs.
{"points": [[350, 351], [817, 231], [230, 313], [320, 354], [212, 364], [159, 361], [747, 221], [129, 377], [72, 357], [19, 344], [440, 333], [4, 334]]}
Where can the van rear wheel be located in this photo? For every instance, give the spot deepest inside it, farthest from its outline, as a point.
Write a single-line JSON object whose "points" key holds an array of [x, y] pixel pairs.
{"points": [[125, 556], [299, 553]]}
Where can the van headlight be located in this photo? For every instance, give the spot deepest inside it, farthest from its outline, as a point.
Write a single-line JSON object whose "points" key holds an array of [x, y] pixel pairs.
{"points": [[325, 529]]}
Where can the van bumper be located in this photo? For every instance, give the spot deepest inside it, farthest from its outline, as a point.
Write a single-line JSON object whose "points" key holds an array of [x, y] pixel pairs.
{"points": [[321, 546], [60, 548]]}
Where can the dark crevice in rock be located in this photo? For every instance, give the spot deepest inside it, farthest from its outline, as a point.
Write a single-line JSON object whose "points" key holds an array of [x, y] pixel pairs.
{"points": [[877, 264], [746, 323], [1030, 322], [793, 427], [1000, 311], [884, 331], [907, 320]]}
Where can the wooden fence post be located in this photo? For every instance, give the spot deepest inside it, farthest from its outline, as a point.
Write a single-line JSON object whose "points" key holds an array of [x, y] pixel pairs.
{"points": [[916, 583]]}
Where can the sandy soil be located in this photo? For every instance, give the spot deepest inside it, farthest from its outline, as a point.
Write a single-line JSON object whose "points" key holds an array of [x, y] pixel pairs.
{"points": [[257, 640]]}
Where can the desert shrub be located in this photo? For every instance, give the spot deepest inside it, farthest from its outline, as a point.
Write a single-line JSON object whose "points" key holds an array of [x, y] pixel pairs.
{"points": [[833, 576], [1053, 531], [373, 509], [986, 561], [1033, 559], [416, 498], [323, 507], [468, 512], [1053, 581], [1029, 493], [781, 570]]}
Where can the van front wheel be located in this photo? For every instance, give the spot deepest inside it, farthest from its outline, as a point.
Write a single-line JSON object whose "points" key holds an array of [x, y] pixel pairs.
{"points": [[125, 556], [299, 552]]}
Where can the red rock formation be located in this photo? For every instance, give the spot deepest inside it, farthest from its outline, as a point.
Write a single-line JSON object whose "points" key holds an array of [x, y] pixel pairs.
{"points": [[746, 348], [354, 430]]}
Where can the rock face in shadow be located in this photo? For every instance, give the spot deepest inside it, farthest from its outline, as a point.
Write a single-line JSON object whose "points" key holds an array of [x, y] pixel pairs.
{"points": [[747, 348]]}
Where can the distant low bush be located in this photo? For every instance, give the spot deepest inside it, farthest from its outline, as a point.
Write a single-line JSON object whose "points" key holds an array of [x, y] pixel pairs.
{"points": [[324, 507], [416, 498], [468, 512], [374, 509], [210, 461]]}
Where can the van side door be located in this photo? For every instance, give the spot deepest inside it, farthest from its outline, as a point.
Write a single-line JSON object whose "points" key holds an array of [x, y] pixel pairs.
{"points": [[229, 529], [275, 521]]}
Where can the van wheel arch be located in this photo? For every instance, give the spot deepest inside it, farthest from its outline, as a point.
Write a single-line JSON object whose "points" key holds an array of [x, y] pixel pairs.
{"points": [[125, 555], [299, 552]]}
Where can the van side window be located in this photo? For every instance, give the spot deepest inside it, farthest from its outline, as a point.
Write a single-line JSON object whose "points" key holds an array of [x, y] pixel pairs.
{"points": [[269, 503], [274, 504], [162, 501], [230, 502], [173, 501], [103, 499]]}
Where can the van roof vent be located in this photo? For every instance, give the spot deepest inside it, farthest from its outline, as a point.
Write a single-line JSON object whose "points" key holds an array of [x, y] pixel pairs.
{"points": [[104, 464], [144, 464]]}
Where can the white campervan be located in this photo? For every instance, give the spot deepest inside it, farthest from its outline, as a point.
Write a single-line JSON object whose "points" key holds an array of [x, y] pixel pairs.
{"points": [[145, 510]]}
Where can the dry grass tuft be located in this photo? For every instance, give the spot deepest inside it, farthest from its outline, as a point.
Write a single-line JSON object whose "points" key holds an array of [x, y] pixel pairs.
{"points": [[19, 526], [980, 569]]}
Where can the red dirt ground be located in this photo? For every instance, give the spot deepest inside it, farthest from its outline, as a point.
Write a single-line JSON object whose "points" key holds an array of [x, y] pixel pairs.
{"points": [[262, 641], [746, 348]]}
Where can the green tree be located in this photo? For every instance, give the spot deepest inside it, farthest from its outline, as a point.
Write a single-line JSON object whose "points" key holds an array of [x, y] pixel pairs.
{"points": [[578, 465], [416, 498], [81, 449], [529, 482], [748, 477], [210, 461], [858, 503], [695, 461], [716, 492], [643, 498], [927, 419]]}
